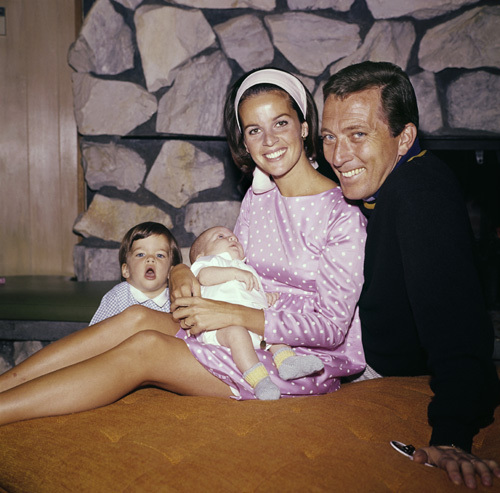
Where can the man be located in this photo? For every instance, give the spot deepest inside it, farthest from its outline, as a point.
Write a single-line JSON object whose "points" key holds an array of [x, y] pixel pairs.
{"points": [[421, 307]]}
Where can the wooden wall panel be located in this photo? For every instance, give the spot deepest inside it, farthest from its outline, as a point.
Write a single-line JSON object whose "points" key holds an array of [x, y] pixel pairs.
{"points": [[72, 183], [43, 152], [15, 248], [38, 139]]}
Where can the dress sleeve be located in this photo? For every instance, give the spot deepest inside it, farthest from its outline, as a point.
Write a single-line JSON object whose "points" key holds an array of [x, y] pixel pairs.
{"points": [[322, 318]]}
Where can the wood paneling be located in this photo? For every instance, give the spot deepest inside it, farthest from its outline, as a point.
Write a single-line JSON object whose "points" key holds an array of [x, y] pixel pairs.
{"points": [[38, 139]]}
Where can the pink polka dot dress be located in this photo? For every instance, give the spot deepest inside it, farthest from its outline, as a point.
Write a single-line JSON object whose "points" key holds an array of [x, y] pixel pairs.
{"points": [[309, 249]]}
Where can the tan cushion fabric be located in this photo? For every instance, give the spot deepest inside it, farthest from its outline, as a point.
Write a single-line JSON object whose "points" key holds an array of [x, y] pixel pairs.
{"points": [[155, 441]]}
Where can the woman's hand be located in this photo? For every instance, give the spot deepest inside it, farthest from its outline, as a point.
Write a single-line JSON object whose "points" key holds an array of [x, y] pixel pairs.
{"points": [[198, 314], [460, 465], [182, 282]]}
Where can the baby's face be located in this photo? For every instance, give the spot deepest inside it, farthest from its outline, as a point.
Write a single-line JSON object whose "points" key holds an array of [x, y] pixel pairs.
{"points": [[219, 240]]}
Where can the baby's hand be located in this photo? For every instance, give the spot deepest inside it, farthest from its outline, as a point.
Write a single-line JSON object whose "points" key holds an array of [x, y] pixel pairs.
{"points": [[272, 298], [248, 279]]}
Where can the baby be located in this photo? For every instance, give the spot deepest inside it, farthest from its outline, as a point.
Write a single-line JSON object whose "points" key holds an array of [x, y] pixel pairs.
{"points": [[217, 259], [147, 252]]}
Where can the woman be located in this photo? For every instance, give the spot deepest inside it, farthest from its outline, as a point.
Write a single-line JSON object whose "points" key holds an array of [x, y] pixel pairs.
{"points": [[313, 256], [299, 234]]}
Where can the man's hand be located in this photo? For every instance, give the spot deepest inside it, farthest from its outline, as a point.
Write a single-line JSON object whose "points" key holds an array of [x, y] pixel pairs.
{"points": [[460, 466]]}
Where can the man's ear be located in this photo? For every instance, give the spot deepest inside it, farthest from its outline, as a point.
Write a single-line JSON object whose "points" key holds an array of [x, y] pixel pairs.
{"points": [[406, 138], [125, 271]]}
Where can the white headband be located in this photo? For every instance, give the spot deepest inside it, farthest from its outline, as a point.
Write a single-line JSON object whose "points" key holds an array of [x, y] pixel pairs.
{"points": [[283, 80]]}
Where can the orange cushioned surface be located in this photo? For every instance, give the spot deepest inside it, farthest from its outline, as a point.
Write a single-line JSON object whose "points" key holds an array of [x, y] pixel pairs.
{"points": [[155, 441]]}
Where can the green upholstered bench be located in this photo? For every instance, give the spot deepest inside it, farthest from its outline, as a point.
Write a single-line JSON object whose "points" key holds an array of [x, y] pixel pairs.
{"points": [[46, 308]]}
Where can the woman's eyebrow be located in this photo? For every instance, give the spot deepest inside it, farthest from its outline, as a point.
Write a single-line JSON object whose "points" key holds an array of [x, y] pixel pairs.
{"points": [[274, 119]]}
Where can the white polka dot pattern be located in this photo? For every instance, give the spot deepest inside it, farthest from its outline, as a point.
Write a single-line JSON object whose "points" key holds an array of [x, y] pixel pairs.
{"points": [[309, 249]]}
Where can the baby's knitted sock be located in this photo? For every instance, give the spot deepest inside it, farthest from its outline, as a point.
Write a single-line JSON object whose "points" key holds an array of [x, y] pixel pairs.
{"points": [[259, 379], [290, 366]]}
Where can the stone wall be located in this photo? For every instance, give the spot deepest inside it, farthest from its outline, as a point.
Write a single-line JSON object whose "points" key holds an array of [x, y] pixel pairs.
{"points": [[151, 76]]}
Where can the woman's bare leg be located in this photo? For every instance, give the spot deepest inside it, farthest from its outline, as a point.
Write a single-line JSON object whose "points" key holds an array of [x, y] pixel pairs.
{"points": [[88, 342], [145, 358]]}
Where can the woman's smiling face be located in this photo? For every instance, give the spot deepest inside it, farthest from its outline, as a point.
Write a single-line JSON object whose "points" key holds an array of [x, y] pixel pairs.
{"points": [[272, 132]]}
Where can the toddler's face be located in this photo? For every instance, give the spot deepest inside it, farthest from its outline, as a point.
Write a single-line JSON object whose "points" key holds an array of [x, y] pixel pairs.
{"points": [[148, 265], [219, 240]]}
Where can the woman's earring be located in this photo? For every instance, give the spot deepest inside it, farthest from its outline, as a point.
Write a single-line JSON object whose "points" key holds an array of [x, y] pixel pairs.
{"points": [[305, 131]]}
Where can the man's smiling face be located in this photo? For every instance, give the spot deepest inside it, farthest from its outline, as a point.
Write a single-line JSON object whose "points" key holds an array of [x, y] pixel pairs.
{"points": [[358, 143]]}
